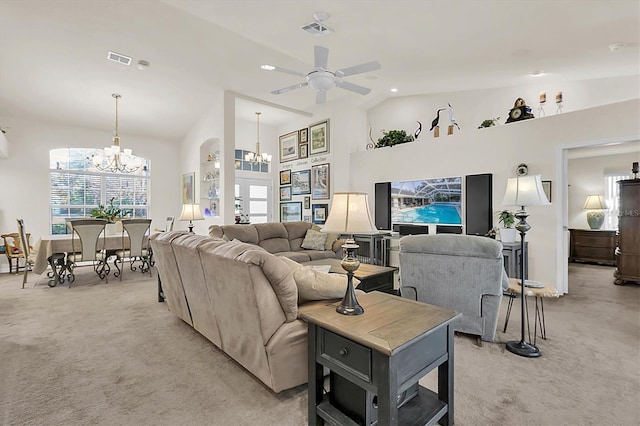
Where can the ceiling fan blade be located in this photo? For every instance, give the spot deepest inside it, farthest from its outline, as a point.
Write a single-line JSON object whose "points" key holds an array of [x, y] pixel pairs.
{"points": [[321, 96], [358, 69], [321, 56], [288, 89], [353, 87], [280, 69]]}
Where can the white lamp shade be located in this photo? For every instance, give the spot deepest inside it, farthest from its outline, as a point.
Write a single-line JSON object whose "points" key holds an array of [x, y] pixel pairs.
{"points": [[595, 202], [525, 191], [350, 214], [191, 212]]}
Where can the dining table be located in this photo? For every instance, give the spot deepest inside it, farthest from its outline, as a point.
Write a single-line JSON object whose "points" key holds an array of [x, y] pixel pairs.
{"points": [[51, 251]]}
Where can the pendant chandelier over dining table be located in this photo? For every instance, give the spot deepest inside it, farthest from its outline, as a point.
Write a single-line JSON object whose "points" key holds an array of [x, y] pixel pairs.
{"points": [[257, 157], [116, 160]]}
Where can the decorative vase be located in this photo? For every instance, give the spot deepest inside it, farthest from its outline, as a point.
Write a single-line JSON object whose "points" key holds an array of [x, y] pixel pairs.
{"points": [[113, 228], [595, 219], [508, 235]]}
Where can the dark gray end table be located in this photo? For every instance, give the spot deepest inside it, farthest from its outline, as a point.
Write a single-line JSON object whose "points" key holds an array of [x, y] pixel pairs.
{"points": [[376, 360], [371, 277]]}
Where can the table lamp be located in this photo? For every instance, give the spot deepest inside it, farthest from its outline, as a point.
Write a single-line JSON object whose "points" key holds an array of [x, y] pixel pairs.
{"points": [[191, 212], [350, 215], [524, 191], [596, 206]]}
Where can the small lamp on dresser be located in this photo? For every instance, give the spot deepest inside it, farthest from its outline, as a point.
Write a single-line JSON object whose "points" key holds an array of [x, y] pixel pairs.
{"points": [[596, 207]]}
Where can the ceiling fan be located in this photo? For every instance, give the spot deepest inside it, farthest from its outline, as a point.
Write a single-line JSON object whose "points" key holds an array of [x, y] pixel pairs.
{"points": [[321, 79]]}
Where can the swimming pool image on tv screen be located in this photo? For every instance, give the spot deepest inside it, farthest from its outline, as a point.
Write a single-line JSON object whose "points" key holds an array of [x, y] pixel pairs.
{"points": [[435, 201]]}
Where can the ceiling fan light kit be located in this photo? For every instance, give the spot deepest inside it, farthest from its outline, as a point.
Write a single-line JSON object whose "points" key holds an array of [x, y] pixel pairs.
{"points": [[320, 79]]}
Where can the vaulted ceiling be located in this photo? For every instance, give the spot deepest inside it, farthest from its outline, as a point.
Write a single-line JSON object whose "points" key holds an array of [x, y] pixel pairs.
{"points": [[53, 55]]}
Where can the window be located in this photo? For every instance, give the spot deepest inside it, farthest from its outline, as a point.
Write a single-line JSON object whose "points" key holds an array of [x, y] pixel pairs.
{"points": [[611, 197], [76, 187]]}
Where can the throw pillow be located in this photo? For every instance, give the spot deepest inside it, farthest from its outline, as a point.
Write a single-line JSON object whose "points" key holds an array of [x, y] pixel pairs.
{"points": [[314, 240], [316, 285], [331, 238]]}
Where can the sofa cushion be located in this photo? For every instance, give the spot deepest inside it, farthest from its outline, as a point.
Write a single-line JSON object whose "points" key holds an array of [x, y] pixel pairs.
{"points": [[314, 240], [315, 285], [296, 256], [244, 233], [273, 268], [318, 254], [272, 237], [296, 232], [332, 237]]}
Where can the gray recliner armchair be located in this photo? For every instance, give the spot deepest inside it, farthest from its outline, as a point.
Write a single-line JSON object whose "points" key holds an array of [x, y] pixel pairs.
{"points": [[459, 272]]}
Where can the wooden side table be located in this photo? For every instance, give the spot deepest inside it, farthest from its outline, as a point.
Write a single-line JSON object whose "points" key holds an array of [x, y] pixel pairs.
{"points": [[539, 293], [376, 360]]}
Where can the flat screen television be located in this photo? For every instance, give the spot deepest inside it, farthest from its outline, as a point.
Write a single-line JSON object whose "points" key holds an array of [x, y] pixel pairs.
{"points": [[427, 201]]}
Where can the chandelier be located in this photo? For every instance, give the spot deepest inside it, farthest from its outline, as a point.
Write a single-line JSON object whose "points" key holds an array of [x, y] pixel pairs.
{"points": [[113, 159], [257, 157]]}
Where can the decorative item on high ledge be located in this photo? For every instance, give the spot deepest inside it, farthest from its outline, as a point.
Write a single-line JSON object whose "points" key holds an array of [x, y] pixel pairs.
{"points": [[519, 112], [524, 191], [452, 121], [350, 215], [434, 124], [490, 122], [596, 208], [559, 102], [393, 137]]}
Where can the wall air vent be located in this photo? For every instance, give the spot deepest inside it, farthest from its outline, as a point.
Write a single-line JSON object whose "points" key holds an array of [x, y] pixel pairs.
{"points": [[117, 57], [317, 29]]}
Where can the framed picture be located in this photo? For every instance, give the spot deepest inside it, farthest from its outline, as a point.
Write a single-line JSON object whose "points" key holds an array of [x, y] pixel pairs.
{"points": [[307, 219], [319, 138], [301, 182], [307, 203], [289, 147], [285, 177], [188, 188], [320, 182], [304, 150], [546, 186], [290, 212], [304, 133], [319, 213], [285, 193]]}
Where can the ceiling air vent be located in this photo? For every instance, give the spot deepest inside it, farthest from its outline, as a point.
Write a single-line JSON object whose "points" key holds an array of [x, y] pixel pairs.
{"points": [[121, 59], [317, 29]]}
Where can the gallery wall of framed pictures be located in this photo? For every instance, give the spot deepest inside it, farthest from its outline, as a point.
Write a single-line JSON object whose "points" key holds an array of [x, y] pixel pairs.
{"points": [[305, 173]]}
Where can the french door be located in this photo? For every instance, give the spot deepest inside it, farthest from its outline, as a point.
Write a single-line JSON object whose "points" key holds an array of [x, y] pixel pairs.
{"points": [[254, 198]]}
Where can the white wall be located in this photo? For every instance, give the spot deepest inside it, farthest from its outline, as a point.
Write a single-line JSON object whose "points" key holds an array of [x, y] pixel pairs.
{"points": [[499, 150], [24, 174], [586, 177]]}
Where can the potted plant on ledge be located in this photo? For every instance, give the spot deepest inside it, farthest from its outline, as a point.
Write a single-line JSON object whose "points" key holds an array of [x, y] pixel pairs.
{"points": [[507, 232], [112, 214]]}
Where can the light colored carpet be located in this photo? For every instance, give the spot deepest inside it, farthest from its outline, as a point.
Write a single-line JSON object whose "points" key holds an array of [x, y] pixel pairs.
{"points": [[109, 354]]}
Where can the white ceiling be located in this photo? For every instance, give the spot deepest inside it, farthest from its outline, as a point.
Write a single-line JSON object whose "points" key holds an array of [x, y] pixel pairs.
{"points": [[53, 62]]}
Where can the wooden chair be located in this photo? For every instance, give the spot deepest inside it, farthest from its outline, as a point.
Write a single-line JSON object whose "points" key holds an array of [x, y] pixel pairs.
{"points": [[12, 249], [135, 231], [89, 231], [28, 259]]}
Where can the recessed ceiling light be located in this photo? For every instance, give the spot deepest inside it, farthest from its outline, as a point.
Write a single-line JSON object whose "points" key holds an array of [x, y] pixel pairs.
{"points": [[394, 90], [616, 47], [268, 67], [537, 73], [143, 65]]}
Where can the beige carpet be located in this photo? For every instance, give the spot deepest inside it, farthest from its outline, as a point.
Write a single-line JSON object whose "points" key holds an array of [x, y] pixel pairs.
{"points": [[109, 354]]}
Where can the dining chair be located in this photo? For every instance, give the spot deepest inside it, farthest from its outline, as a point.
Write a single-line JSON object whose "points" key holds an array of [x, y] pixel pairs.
{"points": [[29, 260], [12, 250], [136, 232], [92, 247]]}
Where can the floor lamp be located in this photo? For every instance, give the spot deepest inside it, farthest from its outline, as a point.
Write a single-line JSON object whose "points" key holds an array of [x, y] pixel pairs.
{"points": [[350, 215], [524, 191]]}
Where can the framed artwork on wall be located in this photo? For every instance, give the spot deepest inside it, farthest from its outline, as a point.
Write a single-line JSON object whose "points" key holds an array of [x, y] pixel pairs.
{"points": [[285, 193], [304, 150], [319, 138], [188, 188], [320, 188], [307, 218], [285, 177], [289, 147], [301, 182], [304, 135], [307, 203], [290, 212], [319, 213]]}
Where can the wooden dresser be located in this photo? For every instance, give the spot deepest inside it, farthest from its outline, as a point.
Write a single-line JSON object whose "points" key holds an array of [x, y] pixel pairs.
{"points": [[592, 245], [628, 251]]}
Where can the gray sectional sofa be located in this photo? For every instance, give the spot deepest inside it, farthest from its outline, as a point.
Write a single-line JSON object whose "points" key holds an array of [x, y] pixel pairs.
{"points": [[282, 239]]}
